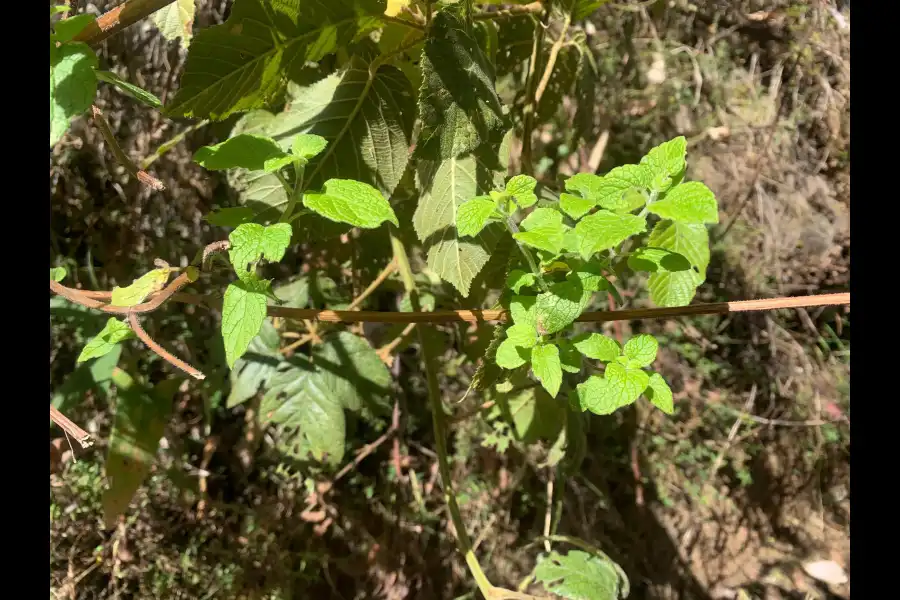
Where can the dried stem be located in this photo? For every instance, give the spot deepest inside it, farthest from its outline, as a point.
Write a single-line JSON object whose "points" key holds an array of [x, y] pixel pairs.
{"points": [[551, 60], [116, 19], [509, 12], [81, 436], [121, 157], [162, 352]]}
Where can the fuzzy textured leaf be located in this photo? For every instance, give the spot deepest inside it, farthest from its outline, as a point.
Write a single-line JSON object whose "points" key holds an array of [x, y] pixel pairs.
{"points": [[251, 241], [521, 187], [604, 229], [611, 190], [57, 274], [73, 85], [690, 240], [660, 394], [666, 162], [580, 576], [558, 308], [243, 313], [543, 229], [352, 202], [474, 215], [129, 88], [458, 105], [546, 366], [690, 202], [575, 206], [114, 332], [597, 346], [655, 260], [307, 396], [367, 124], [243, 63], [247, 151], [517, 279], [642, 349], [569, 357], [445, 186], [510, 356]]}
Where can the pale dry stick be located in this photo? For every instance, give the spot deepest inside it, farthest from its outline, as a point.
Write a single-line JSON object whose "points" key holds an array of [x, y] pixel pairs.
{"points": [[687, 540], [551, 60], [171, 143], [116, 19], [384, 353], [162, 352], [548, 515], [532, 8], [598, 151], [81, 436], [121, 157], [209, 448]]}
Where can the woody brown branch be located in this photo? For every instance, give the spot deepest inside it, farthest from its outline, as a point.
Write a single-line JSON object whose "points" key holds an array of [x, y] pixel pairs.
{"points": [[116, 19], [81, 436]]}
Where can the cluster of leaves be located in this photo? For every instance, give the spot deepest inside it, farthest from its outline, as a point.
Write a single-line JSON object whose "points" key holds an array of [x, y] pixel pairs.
{"points": [[334, 96], [573, 245]]}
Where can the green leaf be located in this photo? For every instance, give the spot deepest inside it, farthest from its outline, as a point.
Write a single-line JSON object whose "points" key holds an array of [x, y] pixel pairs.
{"points": [[255, 367], [611, 190], [445, 186], [66, 29], [603, 230], [569, 357], [59, 8], [308, 145], [580, 576], [140, 288], [294, 294], [558, 308], [532, 412], [248, 151], [522, 309], [244, 63], [307, 396], [655, 260], [691, 240], [250, 241], [543, 229], [642, 349], [597, 346], [458, 105], [366, 119], [627, 383], [510, 356], [474, 215], [230, 217], [129, 89], [73, 85], [243, 313], [522, 335], [176, 21], [575, 206], [546, 367], [114, 332], [517, 279], [666, 162], [521, 187], [57, 274], [690, 202], [659, 393], [140, 420], [353, 202]]}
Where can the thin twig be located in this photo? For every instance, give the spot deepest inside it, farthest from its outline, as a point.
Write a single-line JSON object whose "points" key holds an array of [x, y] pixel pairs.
{"points": [[385, 273], [116, 19], [551, 60], [70, 428], [82, 297], [529, 109], [162, 352], [121, 157], [171, 143], [509, 12], [384, 353]]}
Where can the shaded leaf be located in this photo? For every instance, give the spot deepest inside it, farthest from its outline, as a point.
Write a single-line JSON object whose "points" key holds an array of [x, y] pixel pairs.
{"points": [[230, 217], [248, 151], [176, 21], [517, 279], [129, 88], [73, 85], [255, 367], [241, 64], [580, 576], [352, 202], [458, 105], [140, 420], [243, 313], [113, 333]]}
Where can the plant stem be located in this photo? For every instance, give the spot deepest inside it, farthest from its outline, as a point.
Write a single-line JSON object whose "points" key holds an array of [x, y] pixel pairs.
{"points": [[509, 12], [528, 111], [440, 428], [551, 60], [116, 19], [295, 194], [513, 230]]}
